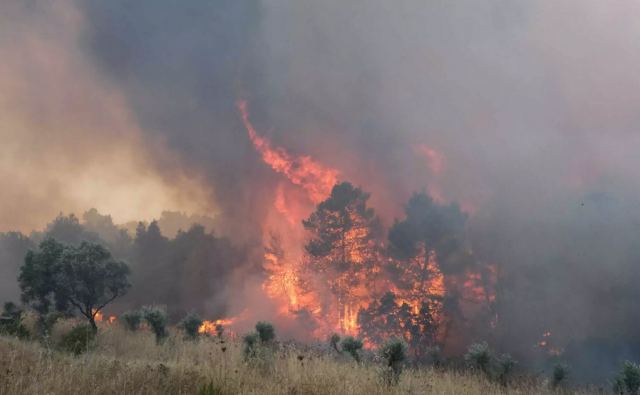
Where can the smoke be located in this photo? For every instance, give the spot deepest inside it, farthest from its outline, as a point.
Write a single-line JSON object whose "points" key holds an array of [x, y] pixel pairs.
{"points": [[522, 112], [69, 140]]}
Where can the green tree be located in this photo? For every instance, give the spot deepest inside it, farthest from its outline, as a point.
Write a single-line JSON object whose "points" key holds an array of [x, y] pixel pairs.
{"points": [[89, 279], [60, 278], [37, 280]]}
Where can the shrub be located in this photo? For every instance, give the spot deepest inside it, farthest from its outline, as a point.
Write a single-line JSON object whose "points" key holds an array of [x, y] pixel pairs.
{"points": [[80, 339], [434, 356], [394, 353], [352, 346], [334, 340], [478, 356], [250, 345], [628, 379], [11, 321], [504, 367], [559, 376], [191, 324], [265, 331], [156, 317], [132, 320]]}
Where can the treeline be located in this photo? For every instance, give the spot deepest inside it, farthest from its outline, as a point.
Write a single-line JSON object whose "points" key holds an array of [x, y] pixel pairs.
{"points": [[187, 272]]}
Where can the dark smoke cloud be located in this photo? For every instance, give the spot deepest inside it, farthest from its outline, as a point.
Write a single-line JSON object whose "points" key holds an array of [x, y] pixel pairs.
{"points": [[533, 107]]}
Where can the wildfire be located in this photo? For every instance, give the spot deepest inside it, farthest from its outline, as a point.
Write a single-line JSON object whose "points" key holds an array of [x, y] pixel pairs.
{"points": [[214, 327], [303, 171], [99, 317], [350, 284]]}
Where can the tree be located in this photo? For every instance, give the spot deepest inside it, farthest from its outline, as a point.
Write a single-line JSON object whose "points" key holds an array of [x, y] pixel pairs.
{"points": [[37, 280], [191, 325], [343, 249], [156, 318], [59, 278], [89, 279], [426, 245]]}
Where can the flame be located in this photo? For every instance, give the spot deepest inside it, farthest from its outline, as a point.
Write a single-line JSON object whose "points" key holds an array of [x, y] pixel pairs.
{"points": [[315, 178], [213, 327], [351, 281]]}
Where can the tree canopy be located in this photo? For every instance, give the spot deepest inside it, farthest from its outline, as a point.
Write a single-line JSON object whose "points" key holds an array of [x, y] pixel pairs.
{"points": [[61, 278]]}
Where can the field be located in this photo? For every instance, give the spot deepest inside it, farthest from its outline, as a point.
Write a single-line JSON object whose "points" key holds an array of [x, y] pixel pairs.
{"points": [[131, 363]]}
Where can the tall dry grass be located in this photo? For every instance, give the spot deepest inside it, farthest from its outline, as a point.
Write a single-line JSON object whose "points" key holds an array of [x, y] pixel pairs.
{"points": [[131, 363]]}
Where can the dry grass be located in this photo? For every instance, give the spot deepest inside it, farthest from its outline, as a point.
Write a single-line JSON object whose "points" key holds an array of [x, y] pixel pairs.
{"points": [[131, 363]]}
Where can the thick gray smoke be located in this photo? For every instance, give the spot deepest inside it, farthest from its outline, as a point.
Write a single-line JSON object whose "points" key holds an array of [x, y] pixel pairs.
{"points": [[525, 113]]}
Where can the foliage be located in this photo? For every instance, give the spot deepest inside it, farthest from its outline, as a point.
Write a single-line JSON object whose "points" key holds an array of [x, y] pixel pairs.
{"points": [[352, 346], [559, 375], [80, 339], [132, 320], [628, 379], [89, 279], [250, 349], [156, 318], [479, 357], [394, 353], [265, 331], [37, 280], [191, 324], [11, 321], [334, 340], [58, 277], [504, 367]]}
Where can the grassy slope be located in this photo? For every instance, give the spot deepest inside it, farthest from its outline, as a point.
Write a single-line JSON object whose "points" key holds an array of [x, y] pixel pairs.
{"points": [[125, 363]]}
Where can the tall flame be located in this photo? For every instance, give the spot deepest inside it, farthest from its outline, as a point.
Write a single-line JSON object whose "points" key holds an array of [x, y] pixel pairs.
{"points": [[315, 178]]}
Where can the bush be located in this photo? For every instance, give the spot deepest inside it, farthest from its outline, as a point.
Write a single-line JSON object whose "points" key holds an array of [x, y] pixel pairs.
{"points": [[132, 320], [628, 379], [478, 356], [559, 376], [80, 339], [504, 367], [265, 331], [191, 325], [334, 340], [250, 349], [394, 353], [11, 321], [352, 346], [156, 317]]}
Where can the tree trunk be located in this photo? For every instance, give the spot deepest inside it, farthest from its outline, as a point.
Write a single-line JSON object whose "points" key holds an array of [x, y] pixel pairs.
{"points": [[92, 322]]}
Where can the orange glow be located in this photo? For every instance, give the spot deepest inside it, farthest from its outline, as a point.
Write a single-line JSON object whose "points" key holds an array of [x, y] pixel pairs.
{"points": [[98, 316], [303, 171], [213, 327], [352, 278]]}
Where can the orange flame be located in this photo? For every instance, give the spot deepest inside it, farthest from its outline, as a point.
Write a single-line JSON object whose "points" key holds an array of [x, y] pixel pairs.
{"points": [[212, 327], [315, 178]]}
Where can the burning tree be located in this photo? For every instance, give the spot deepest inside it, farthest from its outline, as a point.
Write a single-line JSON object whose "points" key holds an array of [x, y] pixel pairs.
{"points": [[343, 250]]}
